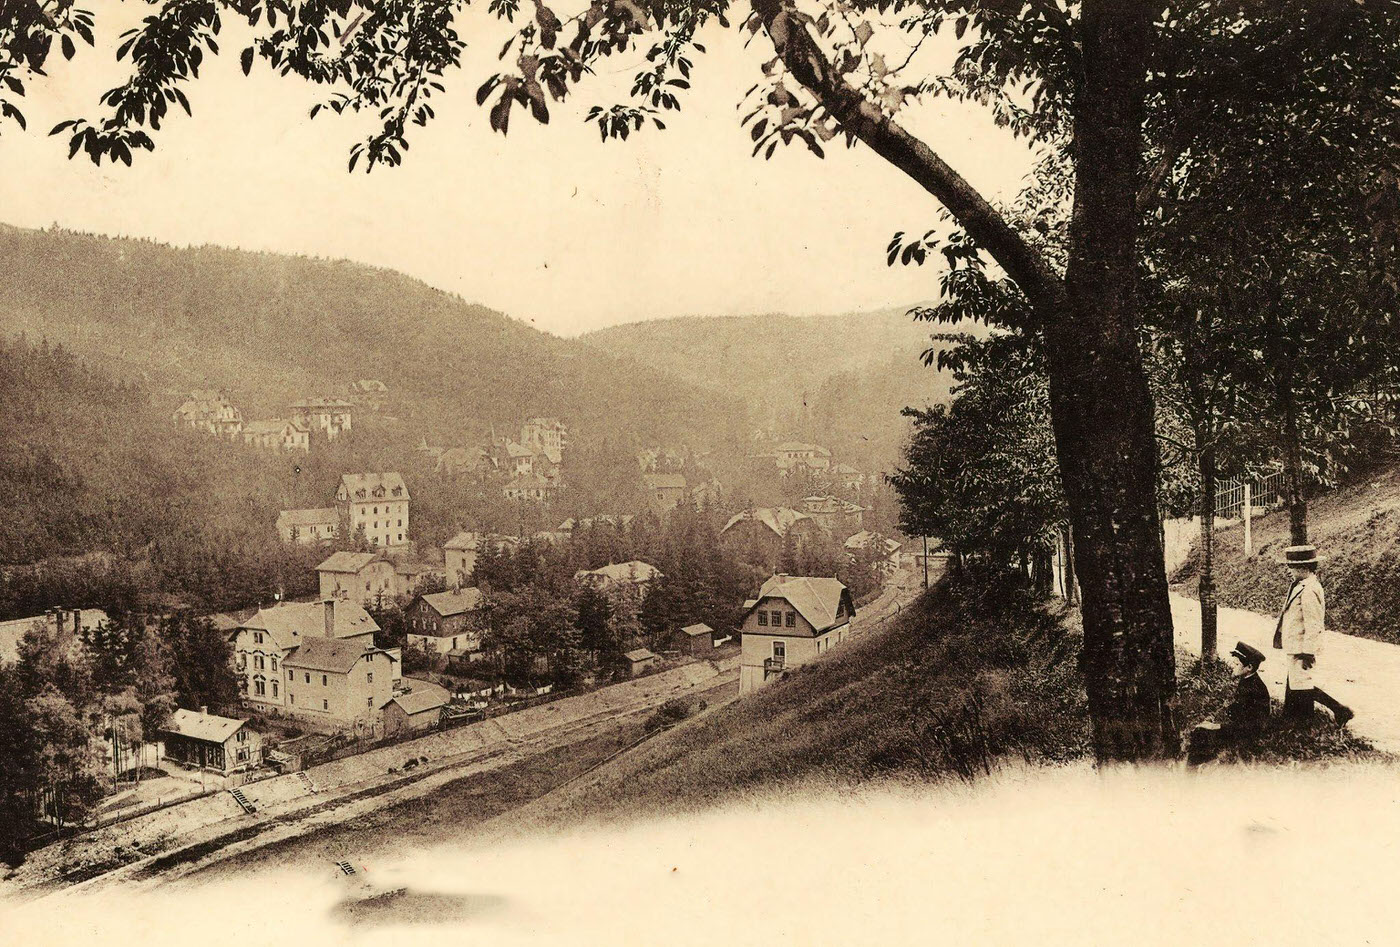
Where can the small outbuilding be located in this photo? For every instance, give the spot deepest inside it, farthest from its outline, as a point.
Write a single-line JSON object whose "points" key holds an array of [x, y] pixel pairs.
{"points": [[418, 708], [207, 741], [696, 640], [640, 661]]}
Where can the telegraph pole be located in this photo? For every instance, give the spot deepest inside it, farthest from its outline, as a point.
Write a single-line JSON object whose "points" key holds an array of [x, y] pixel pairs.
{"points": [[925, 539]]}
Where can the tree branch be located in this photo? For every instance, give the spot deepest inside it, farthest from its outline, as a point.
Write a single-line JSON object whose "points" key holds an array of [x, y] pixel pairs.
{"points": [[805, 60]]}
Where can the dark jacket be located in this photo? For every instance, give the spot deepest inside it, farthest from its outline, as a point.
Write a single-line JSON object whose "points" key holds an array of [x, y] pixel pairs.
{"points": [[1246, 716]]}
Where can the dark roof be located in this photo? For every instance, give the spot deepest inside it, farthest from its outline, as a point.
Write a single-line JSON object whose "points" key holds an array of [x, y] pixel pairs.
{"points": [[324, 654], [459, 602]]}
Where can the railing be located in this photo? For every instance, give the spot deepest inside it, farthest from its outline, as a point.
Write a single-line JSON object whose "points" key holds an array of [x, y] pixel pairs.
{"points": [[1267, 492], [773, 665]]}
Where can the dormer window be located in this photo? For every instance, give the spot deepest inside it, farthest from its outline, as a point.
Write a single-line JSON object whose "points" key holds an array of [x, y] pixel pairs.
{"points": [[398, 491]]}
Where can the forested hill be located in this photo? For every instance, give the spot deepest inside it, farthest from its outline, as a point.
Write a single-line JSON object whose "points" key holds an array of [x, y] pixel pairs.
{"points": [[839, 380], [271, 329]]}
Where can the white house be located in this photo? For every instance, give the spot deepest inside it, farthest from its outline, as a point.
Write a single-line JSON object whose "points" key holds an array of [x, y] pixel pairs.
{"points": [[791, 621], [376, 503]]}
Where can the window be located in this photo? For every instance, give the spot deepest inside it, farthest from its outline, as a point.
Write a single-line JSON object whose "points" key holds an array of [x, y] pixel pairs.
{"points": [[323, 680], [257, 637], [274, 664], [791, 620], [369, 702], [308, 678], [400, 537], [274, 688], [779, 650], [258, 661], [454, 644], [763, 618], [325, 705], [259, 687], [294, 698], [242, 736], [243, 755], [400, 523], [369, 678], [291, 675], [777, 618], [376, 511]]}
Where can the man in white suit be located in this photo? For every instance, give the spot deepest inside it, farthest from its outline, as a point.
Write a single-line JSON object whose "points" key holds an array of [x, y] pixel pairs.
{"points": [[1299, 634]]}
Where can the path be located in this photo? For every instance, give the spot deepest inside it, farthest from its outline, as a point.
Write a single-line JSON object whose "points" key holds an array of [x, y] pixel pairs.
{"points": [[1361, 673]]}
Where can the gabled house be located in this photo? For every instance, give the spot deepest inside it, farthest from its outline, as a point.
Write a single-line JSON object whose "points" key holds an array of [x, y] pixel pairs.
{"points": [[277, 434], [359, 577], [417, 708], [840, 518], [636, 574], [791, 621], [332, 416], [460, 553], [665, 491], [847, 477], [376, 503], [446, 622], [207, 741], [548, 436], [338, 683], [759, 535], [794, 456], [262, 642], [529, 489], [210, 415], [868, 543]]}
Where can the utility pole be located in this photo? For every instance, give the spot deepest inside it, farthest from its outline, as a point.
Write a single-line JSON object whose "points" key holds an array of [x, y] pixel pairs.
{"points": [[925, 538]]}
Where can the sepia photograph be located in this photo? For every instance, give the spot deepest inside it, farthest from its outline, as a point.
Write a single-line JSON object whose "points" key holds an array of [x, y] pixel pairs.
{"points": [[670, 472]]}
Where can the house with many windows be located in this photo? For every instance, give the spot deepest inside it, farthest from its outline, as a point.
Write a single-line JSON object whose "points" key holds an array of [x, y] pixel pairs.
{"points": [[210, 413], [263, 642], [446, 622], [338, 683], [359, 577], [376, 503], [791, 621]]}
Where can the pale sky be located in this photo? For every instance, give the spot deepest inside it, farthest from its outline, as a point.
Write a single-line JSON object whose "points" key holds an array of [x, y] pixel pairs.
{"points": [[549, 225]]}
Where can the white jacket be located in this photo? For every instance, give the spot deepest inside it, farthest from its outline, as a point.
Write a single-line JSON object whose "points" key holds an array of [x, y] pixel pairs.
{"points": [[1303, 616]]}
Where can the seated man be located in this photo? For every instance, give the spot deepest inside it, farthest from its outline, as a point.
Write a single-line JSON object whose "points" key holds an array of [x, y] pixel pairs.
{"points": [[1243, 719]]}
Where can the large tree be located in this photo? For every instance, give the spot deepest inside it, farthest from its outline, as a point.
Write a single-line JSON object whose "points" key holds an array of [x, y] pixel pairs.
{"points": [[1083, 74]]}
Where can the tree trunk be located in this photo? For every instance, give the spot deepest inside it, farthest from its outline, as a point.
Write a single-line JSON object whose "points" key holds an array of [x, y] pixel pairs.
{"points": [[1071, 581], [1101, 407], [1293, 462], [1206, 586]]}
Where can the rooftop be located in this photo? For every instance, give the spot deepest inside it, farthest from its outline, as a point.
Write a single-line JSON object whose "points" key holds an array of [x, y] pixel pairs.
{"points": [[310, 517], [202, 726], [697, 629], [459, 602], [421, 696], [343, 561], [290, 622], [639, 654], [815, 599], [372, 483], [327, 654]]}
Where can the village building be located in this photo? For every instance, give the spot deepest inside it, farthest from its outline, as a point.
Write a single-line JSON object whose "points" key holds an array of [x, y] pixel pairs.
{"points": [[456, 461], [63, 624], [206, 741], [417, 708], [665, 491], [338, 683], [376, 503], [460, 554], [263, 642], [443, 622], [639, 661], [595, 522], [360, 577], [331, 416], [548, 436], [308, 527], [847, 477], [368, 393], [634, 574], [759, 535], [515, 460], [697, 641], [868, 543], [793, 456], [840, 518], [529, 489], [791, 621], [210, 415], [277, 434]]}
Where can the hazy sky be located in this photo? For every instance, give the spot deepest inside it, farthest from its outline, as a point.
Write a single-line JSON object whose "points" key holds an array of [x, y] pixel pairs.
{"points": [[550, 224]]}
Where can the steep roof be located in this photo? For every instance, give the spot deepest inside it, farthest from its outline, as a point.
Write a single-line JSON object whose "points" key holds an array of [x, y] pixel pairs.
{"points": [[633, 571], [198, 726], [291, 622], [369, 482], [816, 600], [459, 602], [779, 519], [326, 654], [423, 696], [664, 481], [343, 561], [311, 517]]}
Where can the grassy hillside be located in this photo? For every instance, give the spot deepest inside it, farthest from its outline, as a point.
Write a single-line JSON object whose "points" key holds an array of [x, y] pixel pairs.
{"points": [[1357, 529], [959, 681], [839, 379], [271, 329]]}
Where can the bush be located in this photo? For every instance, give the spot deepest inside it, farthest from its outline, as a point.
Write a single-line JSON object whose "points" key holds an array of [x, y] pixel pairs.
{"points": [[668, 714]]}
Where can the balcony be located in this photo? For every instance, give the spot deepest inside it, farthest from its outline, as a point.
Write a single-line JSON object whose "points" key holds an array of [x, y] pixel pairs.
{"points": [[773, 666]]}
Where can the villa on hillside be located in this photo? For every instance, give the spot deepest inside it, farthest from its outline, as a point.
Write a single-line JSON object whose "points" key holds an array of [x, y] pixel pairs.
{"points": [[529, 489], [794, 456], [376, 503], [548, 436], [332, 416], [840, 518], [338, 683], [263, 642], [277, 434], [791, 621], [447, 622], [634, 574], [665, 491], [760, 534], [210, 415]]}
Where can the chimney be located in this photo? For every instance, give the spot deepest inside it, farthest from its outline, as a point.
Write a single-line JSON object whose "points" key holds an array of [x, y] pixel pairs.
{"points": [[330, 617], [204, 709]]}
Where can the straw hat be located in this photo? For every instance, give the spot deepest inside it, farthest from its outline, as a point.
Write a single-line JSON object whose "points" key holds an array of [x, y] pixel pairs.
{"points": [[1300, 556]]}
